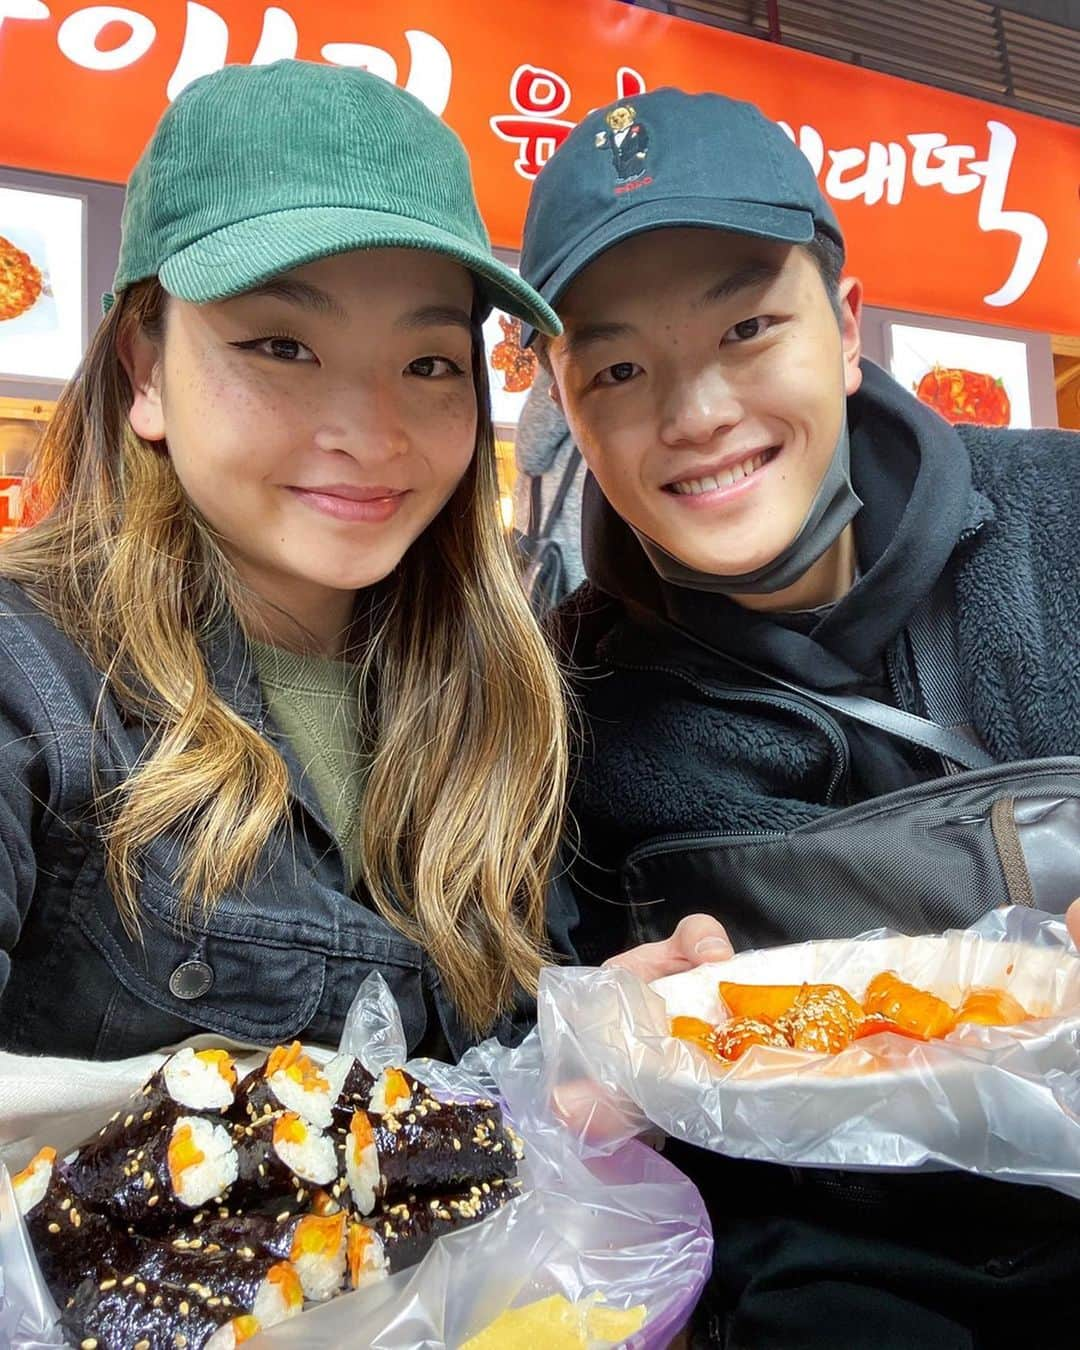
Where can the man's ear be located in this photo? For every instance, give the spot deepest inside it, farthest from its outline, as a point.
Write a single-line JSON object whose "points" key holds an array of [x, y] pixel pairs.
{"points": [[851, 301], [142, 358]]}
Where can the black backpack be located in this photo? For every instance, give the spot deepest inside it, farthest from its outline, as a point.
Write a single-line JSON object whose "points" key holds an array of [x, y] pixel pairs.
{"points": [[543, 565]]}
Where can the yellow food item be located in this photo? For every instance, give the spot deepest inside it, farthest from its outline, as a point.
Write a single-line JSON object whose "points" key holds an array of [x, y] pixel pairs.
{"points": [[557, 1324]]}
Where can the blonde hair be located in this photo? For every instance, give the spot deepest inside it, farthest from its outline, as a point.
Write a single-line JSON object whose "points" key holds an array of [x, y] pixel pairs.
{"points": [[463, 703]]}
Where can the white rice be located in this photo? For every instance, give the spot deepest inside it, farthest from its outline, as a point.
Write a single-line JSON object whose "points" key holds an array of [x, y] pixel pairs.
{"points": [[272, 1306], [202, 1181], [321, 1275], [378, 1096], [374, 1265], [30, 1190], [195, 1083], [313, 1159], [314, 1105], [362, 1174], [222, 1339]]}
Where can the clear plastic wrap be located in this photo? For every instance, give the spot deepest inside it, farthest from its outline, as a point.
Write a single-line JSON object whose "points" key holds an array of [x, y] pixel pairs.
{"points": [[1003, 1102], [624, 1224]]}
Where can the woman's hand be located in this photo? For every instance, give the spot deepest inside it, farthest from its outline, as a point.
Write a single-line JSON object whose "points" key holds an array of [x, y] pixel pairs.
{"points": [[698, 939]]}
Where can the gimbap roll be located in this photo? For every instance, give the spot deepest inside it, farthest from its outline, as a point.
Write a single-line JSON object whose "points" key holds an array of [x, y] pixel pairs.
{"points": [[366, 1259], [253, 1282], [291, 1081], [435, 1147], [355, 1094], [406, 1229], [161, 1176], [282, 1158], [396, 1091], [126, 1312], [69, 1240], [313, 1243]]}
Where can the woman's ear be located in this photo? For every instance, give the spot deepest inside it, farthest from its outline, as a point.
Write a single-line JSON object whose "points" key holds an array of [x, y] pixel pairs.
{"points": [[142, 358]]}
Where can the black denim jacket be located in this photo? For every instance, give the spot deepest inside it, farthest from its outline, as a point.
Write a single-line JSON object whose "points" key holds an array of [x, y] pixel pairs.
{"points": [[282, 959]]}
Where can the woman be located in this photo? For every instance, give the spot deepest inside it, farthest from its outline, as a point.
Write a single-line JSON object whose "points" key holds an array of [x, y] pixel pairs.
{"points": [[273, 711]]}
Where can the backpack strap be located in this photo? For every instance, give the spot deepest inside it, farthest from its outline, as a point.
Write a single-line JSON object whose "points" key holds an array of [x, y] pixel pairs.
{"points": [[921, 731], [573, 459]]}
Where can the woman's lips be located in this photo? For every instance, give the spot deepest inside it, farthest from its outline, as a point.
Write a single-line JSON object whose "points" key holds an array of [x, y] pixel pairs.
{"points": [[371, 505]]}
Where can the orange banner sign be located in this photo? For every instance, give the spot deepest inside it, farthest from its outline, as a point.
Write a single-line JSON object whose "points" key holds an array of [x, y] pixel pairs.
{"points": [[951, 206]]}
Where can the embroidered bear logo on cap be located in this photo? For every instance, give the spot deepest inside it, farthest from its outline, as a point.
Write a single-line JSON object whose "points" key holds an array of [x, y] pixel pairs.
{"points": [[628, 141]]}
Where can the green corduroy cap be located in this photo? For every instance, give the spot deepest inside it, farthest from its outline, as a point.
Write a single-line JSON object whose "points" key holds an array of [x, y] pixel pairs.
{"points": [[255, 170]]}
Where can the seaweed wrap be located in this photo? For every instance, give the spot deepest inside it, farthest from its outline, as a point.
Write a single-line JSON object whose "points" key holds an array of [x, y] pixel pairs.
{"points": [[406, 1229], [314, 1244], [69, 1240], [290, 1080], [125, 1312], [252, 1282], [166, 1170], [282, 1158], [435, 1147], [355, 1094]]}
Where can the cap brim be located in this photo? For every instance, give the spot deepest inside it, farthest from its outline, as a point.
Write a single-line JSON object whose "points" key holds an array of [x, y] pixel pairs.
{"points": [[785, 225], [237, 258]]}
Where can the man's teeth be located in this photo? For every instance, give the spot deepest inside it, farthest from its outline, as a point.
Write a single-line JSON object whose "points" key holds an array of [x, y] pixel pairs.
{"points": [[692, 487]]}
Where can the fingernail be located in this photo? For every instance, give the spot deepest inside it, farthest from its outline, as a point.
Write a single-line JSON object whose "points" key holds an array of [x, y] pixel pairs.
{"points": [[714, 949]]}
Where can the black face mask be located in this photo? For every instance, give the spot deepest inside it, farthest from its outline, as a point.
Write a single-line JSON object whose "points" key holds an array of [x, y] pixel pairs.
{"points": [[833, 509]]}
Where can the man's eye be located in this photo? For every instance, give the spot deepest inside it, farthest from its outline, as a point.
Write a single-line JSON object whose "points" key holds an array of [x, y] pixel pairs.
{"points": [[746, 329], [434, 367], [619, 373]]}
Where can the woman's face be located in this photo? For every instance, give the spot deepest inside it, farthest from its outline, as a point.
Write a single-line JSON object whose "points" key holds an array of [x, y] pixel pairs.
{"points": [[320, 422]]}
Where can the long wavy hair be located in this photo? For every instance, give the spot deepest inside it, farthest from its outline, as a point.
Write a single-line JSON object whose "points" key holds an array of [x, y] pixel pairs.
{"points": [[462, 700]]}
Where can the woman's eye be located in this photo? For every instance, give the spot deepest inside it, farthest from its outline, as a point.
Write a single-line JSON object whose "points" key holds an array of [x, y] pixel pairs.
{"points": [[434, 367], [280, 348], [747, 329], [619, 373]]}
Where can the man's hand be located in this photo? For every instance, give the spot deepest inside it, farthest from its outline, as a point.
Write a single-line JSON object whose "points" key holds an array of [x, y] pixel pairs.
{"points": [[698, 939], [1072, 920]]}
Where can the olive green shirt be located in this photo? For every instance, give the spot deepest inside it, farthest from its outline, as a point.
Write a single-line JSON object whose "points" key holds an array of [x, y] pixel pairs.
{"points": [[315, 702]]}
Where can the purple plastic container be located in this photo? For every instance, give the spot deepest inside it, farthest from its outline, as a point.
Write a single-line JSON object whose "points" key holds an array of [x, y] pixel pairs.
{"points": [[636, 1163]]}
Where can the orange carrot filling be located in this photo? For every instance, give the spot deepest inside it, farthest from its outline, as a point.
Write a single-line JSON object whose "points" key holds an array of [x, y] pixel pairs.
{"points": [[244, 1328], [183, 1153], [395, 1088], [43, 1155], [290, 1129], [315, 1236], [292, 1061], [288, 1283], [359, 1242], [222, 1061], [362, 1134]]}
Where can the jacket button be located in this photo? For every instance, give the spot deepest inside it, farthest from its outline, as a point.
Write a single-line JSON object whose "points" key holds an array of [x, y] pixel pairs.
{"points": [[191, 979]]}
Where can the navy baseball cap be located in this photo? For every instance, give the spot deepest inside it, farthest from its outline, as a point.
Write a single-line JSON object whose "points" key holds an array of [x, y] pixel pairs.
{"points": [[660, 160]]}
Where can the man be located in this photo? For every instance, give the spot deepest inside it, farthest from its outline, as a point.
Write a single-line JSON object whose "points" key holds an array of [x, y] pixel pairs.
{"points": [[773, 529]]}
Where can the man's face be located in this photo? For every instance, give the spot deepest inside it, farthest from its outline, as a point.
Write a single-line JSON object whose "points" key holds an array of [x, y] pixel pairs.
{"points": [[704, 376]]}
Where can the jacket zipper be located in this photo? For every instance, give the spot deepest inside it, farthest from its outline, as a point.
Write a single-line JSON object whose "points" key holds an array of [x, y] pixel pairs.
{"points": [[791, 703]]}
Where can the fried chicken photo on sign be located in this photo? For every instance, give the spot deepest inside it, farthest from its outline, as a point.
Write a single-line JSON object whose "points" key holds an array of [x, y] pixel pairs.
{"points": [[20, 280], [517, 364]]}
